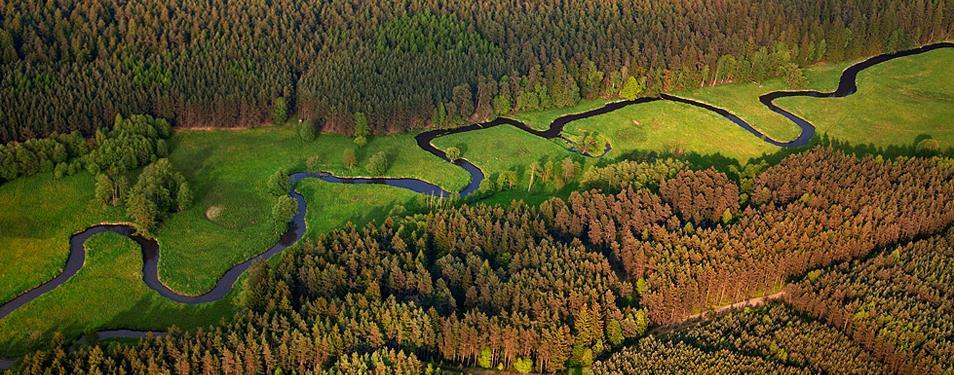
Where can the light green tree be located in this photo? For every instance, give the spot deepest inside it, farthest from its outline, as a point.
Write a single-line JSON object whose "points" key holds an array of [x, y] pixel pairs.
{"points": [[360, 125], [306, 131], [632, 88], [283, 211], [453, 153], [378, 163], [349, 158], [523, 365], [485, 358], [277, 183]]}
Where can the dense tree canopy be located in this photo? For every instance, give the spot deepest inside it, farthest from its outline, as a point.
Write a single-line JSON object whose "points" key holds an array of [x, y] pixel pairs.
{"points": [[72, 65], [159, 191], [898, 304], [768, 340]]}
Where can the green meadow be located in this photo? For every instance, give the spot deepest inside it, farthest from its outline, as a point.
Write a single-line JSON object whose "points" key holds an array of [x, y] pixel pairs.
{"points": [[672, 128], [742, 99], [503, 148], [230, 220], [542, 119], [107, 292], [897, 103], [37, 216]]}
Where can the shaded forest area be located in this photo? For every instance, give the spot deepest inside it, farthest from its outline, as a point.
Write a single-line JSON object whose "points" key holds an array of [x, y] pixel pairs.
{"points": [[773, 339], [559, 285], [70, 65]]}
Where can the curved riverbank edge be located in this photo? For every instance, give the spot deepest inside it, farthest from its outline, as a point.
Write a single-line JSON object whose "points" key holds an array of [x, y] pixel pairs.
{"points": [[296, 228]]}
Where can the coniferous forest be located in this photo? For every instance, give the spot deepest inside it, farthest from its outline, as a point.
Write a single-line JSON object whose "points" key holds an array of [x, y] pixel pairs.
{"points": [[416, 186], [73, 65]]}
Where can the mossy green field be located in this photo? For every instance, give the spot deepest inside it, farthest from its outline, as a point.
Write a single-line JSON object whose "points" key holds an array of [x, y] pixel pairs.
{"points": [[38, 214]]}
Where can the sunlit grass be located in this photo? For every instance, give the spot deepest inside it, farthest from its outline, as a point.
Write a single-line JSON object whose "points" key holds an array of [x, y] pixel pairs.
{"points": [[230, 220], [897, 102], [37, 216], [107, 292]]}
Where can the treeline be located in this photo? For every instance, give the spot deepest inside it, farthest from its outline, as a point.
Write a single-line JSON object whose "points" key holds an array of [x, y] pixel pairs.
{"points": [[422, 287], [652, 356], [111, 155], [56, 153], [898, 304], [72, 65], [553, 287], [130, 143]]}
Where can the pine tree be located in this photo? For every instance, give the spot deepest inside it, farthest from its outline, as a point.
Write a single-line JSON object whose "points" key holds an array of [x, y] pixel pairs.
{"points": [[8, 51], [278, 183], [279, 111], [104, 189], [632, 88]]}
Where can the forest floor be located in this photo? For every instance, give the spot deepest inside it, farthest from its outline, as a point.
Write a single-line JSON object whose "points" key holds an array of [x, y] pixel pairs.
{"points": [[230, 219]]}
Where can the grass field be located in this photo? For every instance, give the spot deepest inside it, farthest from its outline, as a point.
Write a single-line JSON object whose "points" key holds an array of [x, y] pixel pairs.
{"points": [[226, 170], [742, 99], [230, 219], [896, 102], [504, 148], [670, 127], [107, 292], [542, 119], [37, 216], [331, 206]]}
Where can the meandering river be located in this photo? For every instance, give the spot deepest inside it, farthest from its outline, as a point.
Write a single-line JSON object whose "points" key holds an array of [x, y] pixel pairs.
{"points": [[296, 228]]}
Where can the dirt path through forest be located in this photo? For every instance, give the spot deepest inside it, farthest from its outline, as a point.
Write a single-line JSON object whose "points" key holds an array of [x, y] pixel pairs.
{"points": [[746, 303]]}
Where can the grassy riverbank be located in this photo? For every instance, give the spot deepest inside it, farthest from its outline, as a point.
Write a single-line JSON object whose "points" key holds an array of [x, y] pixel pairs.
{"points": [[504, 148], [107, 292], [542, 119], [674, 128], [897, 102], [37, 216], [742, 99], [226, 169], [230, 220]]}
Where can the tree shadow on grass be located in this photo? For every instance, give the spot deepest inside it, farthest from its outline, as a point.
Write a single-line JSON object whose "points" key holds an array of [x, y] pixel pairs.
{"points": [[150, 313], [921, 147]]}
